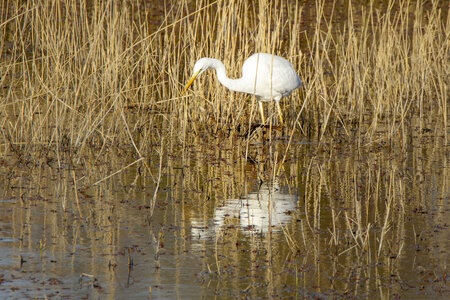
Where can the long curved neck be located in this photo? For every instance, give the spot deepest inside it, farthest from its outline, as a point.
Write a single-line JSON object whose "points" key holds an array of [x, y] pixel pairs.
{"points": [[237, 85]]}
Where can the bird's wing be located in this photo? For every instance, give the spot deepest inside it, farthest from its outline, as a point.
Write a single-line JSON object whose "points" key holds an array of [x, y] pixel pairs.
{"points": [[284, 79], [271, 82]]}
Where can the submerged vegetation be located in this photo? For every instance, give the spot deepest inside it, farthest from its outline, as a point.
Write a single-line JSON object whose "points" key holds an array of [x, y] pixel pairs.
{"points": [[90, 95]]}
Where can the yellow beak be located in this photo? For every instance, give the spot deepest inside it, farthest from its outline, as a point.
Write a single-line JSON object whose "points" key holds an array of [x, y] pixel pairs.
{"points": [[190, 81]]}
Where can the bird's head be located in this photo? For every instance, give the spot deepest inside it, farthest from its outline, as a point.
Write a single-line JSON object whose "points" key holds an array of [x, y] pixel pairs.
{"points": [[200, 66]]}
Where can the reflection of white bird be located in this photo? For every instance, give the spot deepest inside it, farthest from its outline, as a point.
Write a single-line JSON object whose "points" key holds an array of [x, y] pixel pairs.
{"points": [[256, 213], [267, 76], [268, 207]]}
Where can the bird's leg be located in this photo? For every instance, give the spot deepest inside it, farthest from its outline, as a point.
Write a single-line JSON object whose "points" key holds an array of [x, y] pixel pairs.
{"points": [[279, 112], [262, 112]]}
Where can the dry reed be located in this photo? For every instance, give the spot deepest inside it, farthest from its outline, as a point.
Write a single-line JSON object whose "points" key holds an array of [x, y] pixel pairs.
{"points": [[104, 74]]}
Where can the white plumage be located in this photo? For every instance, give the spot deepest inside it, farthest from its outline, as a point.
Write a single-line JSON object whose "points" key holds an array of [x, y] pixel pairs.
{"points": [[267, 76]]}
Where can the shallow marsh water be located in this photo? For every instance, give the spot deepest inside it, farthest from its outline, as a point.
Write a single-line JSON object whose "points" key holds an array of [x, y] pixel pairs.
{"points": [[336, 222]]}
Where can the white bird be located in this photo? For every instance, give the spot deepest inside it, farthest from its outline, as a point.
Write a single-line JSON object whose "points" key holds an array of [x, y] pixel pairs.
{"points": [[269, 77]]}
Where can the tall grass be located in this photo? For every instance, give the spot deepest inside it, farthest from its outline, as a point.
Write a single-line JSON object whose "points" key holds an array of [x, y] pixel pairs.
{"points": [[105, 73]]}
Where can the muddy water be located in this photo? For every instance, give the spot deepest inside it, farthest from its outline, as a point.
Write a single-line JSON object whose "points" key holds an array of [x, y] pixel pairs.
{"points": [[338, 220]]}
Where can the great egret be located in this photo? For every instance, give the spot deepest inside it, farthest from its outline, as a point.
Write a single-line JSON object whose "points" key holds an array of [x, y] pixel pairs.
{"points": [[267, 76]]}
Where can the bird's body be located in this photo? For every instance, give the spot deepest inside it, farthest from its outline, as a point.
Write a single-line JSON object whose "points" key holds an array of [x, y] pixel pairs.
{"points": [[267, 76]]}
